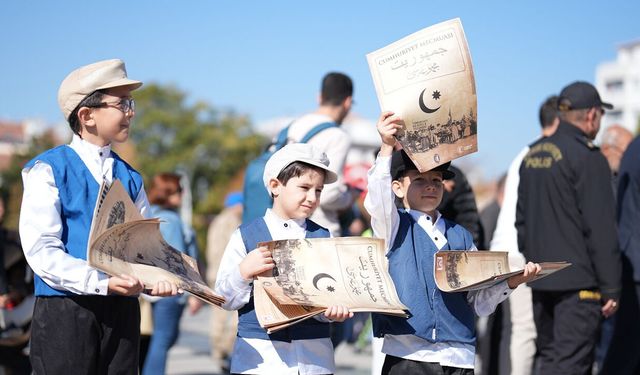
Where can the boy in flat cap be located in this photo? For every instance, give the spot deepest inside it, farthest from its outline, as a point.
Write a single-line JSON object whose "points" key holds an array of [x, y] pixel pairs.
{"points": [[439, 336], [295, 176], [84, 321]]}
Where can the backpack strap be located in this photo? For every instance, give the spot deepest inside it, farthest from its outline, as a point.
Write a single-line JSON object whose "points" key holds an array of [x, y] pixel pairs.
{"points": [[282, 138], [317, 129]]}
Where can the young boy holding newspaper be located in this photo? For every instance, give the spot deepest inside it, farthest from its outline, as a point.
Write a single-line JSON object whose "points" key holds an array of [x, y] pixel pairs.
{"points": [[84, 321], [295, 176], [439, 335]]}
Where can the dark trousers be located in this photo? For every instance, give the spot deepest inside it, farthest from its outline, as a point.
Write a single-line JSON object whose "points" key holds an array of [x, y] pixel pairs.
{"points": [[85, 335], [568, 329], [400, 366], [623, 356]]}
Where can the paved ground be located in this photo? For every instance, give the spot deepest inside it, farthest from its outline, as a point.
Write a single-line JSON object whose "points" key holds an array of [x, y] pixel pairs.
{"points": [[190, 356]]}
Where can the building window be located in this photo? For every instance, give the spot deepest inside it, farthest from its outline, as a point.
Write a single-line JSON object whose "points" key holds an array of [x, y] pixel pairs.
{"points": [[615, 86], [614, 116]]}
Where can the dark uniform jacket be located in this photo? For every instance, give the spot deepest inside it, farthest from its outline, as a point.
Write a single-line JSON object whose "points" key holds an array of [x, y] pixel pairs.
{"points": [[566, 212]]}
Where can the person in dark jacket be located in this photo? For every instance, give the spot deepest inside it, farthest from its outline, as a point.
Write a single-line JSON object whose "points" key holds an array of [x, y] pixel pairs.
{"points": [[565, 212], [459, 205], [622, 355]]}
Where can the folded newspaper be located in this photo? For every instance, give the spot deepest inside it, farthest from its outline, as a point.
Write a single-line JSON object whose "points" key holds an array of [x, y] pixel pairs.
{"points": [[313, 274], [461, 271], [121, 241]]}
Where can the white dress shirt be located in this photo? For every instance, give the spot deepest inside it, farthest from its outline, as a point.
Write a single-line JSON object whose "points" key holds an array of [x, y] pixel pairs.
{"points": [[335, 142], [41, 224], [385, 222], [258, 356], [505, 236]]}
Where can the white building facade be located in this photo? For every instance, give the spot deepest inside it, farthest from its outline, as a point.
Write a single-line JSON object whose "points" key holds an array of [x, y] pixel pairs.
{"points": [[619, 84]]}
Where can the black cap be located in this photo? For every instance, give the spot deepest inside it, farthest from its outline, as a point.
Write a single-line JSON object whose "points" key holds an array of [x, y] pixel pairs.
{"points": [[401, 162], [580, 95]]}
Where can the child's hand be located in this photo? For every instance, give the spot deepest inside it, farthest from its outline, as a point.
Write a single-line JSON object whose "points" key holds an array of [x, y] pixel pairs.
{"points": [[388, 126], [531, 270], [338, 313], [164, 289], [256, 262], [125, 285]]}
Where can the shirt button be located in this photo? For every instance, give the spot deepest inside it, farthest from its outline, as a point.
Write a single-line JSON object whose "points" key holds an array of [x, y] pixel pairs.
{"points": [[505, 293], [286, 225], [97, 290], [436, 238]]}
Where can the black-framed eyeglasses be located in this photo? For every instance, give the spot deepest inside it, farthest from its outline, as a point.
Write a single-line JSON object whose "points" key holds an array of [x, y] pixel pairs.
{"points": [[124, 104]]}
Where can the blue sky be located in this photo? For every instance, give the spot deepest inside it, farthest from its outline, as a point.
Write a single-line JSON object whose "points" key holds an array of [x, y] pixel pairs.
{"points": [[266, 58]]}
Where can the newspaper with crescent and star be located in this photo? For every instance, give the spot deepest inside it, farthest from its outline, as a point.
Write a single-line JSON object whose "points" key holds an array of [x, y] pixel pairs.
{"points": [[311, 275], [427, 79], [461, 271], [121, 241]]}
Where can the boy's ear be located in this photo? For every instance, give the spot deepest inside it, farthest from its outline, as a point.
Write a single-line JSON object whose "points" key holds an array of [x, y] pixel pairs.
{"points": [[275, 186], [396, 186], [85, 116]]}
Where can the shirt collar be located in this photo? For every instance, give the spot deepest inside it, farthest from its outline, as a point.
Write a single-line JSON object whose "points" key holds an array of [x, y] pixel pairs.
{"points": [[419, 214], [90, 149], [280, 222]]}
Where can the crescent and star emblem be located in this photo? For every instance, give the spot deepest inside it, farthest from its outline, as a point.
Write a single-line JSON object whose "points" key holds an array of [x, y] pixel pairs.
{"points": [[423, 107], [320, 276]]}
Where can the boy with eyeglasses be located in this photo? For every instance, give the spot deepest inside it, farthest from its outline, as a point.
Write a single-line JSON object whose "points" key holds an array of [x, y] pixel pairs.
{"points": [[84, 321]]}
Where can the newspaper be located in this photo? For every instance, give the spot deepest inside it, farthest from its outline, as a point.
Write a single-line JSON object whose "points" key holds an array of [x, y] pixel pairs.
{"points": [[313, 274], [427, 78], [461, 271], [121, 241]]}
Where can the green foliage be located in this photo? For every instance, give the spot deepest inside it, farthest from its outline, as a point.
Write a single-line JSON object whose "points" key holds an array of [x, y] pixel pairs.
{"points": [[11, 178], [211, 146]]}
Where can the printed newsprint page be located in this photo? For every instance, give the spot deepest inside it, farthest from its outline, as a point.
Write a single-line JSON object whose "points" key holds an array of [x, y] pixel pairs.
{"points": [[461, 271], [122, 242], [427, 79], [313, 274]]}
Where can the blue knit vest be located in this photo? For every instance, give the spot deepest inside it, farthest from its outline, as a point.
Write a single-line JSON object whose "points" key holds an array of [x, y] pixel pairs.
{"points": [[248, 327], [78, 193], [433, 315]]}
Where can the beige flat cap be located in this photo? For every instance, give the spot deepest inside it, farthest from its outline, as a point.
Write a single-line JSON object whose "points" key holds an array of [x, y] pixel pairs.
{"points": [[89, 78]]}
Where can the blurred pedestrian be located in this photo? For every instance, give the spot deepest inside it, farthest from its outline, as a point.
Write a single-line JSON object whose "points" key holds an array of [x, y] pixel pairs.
{"points": [[224, 324], [335, 102], [165, 196], [517, 342], [622, 356], [615, 141]]}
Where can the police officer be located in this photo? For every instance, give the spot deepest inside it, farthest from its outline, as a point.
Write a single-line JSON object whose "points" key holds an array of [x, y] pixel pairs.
{"points": [[566, 212]]}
